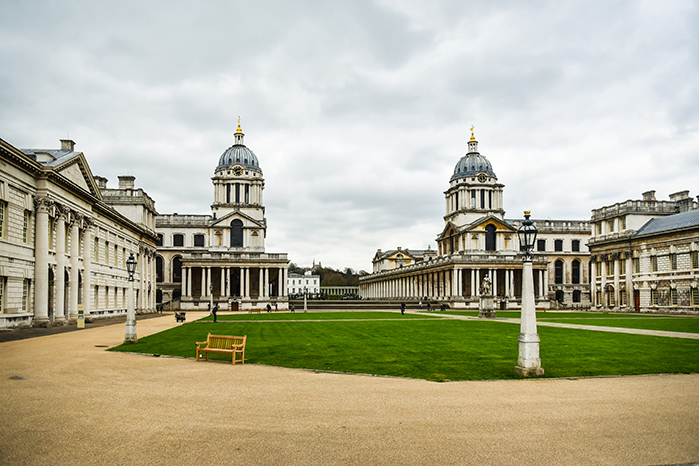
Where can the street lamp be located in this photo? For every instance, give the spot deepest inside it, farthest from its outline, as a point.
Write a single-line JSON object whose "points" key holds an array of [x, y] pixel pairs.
{"points": [[305, 293], [130, 336], [528, 363]]}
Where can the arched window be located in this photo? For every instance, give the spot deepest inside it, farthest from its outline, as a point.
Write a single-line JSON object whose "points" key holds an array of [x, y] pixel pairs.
{"points": [[490, 237], [576, 272], [177, 269], [236, 234], [158, 269], [559, 272]]}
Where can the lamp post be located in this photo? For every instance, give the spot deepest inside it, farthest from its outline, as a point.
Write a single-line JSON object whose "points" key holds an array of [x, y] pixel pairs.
{"points": [[130, 336], [528, 363], [305, 293], [211, 297]]}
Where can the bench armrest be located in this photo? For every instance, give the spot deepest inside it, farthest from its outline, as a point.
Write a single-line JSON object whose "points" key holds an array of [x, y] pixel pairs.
{"points": [[199, 343]]}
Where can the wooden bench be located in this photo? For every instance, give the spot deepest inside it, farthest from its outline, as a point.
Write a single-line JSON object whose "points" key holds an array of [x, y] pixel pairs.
{"points": [[223, 344]]}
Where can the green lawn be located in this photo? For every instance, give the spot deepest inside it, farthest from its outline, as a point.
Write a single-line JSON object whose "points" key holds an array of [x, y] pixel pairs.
{"points": [[340, 315], [435, 349], [671, 324]]}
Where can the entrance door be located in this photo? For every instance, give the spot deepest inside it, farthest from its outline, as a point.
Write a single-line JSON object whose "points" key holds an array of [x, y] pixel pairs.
{"points": [[234, 305], [637, 300]]}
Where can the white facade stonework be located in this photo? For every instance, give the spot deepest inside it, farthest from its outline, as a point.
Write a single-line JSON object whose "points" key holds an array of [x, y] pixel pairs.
{"points": [[63, 246], [645, 255], [220, 258], [307, 282], [477, 241]]}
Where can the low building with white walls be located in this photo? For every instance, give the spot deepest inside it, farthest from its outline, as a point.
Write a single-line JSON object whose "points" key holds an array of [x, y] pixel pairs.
{"points": [[65, 238], [306, 283], [645, 255], [220, 258]]}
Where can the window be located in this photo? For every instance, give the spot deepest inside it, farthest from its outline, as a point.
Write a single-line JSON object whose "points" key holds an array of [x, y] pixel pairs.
{"points": [[558, 245], [228, 194], [599, 269], [106, 252], [636, 265], [610, 297], [198, 241], [159, 240], [96, 251], [106, 297], [653, 263], [25, 226], [177, 270], [482, 199], [576, 272], [2, 295], [473, 198], [25, 295], [622, 298], [159, 269], [598, 228], [622, 267], [97, 297], [673, 261], [541, 245], [611, 226], [178, 240], [695, 259], [576, 245], [599, 297], [558, 267], [116, 255], [3, 213], [236, 234], [695, 296], [577, 296], [237, 193], [51, 226], [623, 223], [654, 297], [673, 297], [123, 257], [489, 237], [247, 194]]}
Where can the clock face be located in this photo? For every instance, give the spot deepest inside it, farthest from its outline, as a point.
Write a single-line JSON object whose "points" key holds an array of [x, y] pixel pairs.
{"points": [[237, 171], [482, 178]]}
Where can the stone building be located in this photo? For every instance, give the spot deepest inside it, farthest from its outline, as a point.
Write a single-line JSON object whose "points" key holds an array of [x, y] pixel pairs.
{"points": [[645, 255], [220, 258], [65, 239], [477, 241], [309, 283]]}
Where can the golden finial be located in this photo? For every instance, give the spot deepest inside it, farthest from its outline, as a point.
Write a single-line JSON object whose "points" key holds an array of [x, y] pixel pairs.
{"points": [[239, 130], [473, 138]]}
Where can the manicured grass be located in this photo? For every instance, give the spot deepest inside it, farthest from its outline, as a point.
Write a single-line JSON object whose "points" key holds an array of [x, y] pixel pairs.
{"points": [[314, 316], [541, 315], [439, 349], [671, 324]]}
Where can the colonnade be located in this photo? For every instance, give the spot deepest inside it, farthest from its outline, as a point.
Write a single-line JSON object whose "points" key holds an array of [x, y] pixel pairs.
{"points": [[457, 282], [225, 288], [610, 273]]}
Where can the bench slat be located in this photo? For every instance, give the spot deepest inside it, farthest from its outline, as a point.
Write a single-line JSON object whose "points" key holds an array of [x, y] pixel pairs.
{"points": [[223, 344]]}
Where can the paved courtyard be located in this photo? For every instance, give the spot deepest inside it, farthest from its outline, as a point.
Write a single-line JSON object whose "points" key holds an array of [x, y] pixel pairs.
{"points": [[65, 400]]}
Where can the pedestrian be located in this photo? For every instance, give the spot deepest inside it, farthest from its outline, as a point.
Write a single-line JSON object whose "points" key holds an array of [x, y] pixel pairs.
{"points": [[420, 304], [214, 311], [293, 308], [402, 308], [276, 308], [269, 308], [443, 307]]}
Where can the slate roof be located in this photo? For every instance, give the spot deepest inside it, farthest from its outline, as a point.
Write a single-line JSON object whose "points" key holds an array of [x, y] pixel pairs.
{"points": [[669, 223], [59, 155]]}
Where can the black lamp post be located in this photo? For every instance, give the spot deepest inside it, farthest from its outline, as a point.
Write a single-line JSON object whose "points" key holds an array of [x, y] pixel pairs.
{"points": [[528, 363], [130, 335]]}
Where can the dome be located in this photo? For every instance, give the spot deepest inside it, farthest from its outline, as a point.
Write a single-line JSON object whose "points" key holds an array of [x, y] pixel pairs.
{"points": [[471, 164], [238, 154]]}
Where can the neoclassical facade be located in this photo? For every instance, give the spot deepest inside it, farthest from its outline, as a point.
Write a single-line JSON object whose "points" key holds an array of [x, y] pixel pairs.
{"points": [[64, 243], [477, 241], [220, 258], [645, 255]]}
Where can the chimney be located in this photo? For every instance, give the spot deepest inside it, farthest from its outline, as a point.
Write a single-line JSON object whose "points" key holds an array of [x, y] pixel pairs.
{"points": [[649, 196], [68, 144], [678, 196], [684, 202], [126, 182], [101, 182]]}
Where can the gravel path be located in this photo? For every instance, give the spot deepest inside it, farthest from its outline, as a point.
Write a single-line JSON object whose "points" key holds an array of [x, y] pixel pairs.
{"points": [[65, 400]]}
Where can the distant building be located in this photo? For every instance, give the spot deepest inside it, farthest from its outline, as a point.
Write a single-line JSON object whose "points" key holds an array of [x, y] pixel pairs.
{"points": [[65, 238], [645, 255], [220, 258], [477, 241], [308, 283]]}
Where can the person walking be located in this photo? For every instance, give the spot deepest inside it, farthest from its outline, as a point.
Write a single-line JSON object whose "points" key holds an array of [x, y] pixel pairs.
{"points": [[402, 308], [293, 308], [420, 304], [269, 308], [214, 311]]}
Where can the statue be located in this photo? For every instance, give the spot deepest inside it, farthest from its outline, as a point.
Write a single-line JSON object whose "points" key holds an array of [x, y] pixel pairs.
{"points": [[486, 288], [487, 303]]}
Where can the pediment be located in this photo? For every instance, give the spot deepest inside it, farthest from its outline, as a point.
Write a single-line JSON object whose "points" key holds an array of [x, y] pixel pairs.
{"points": [[449, 227], [78, 172], [225, 221], [481, 223]]}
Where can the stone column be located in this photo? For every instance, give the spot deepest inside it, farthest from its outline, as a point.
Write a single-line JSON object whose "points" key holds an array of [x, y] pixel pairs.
{"points": [[617, 281], [629, 279], [528, 363], [603, 283], [228, 281], [593, 281], [204, 291], [477, 288], [60, 278], [494, 280], [87, 266], [262, 292], [42, 205], [185, 281], [247, 282], [74, 270]]}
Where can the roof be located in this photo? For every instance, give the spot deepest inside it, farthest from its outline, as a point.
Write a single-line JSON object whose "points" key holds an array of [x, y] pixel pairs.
{"points": [[669, 223], [471, 164], [238, 154], [59, 155]]}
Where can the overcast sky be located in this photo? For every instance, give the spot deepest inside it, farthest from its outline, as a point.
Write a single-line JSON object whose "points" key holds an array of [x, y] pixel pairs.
{"points": [[358, 111]]}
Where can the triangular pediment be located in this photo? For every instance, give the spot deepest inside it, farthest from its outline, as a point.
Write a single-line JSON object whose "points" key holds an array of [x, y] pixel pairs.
{"points": [[78, 172], [450, 229], [482, 222], [225, 221]]}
